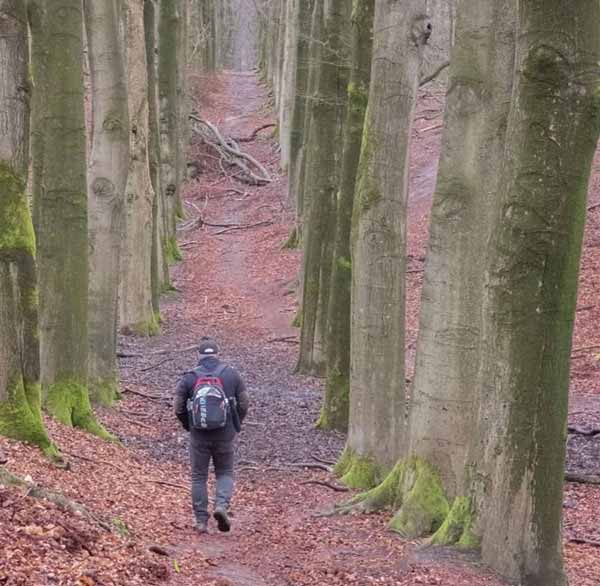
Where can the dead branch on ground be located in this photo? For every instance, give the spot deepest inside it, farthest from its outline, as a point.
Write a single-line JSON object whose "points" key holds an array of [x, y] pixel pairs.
{"points": [[252, 171], [327, 484], [582, 478], [253, 136]]}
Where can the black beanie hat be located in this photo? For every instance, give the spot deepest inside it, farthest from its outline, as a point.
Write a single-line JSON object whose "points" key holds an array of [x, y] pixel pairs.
{"points": [[207, 347]]}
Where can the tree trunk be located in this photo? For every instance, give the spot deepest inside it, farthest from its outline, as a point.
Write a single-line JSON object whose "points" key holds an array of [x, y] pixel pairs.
{"points": [[169, 31], [160, 269], [20, 413], [298, 114], [334, 413], [107, 178], [445, 389], [288, 81], [136, 312], [530, 299], [60, 209], [323, 173], [377, 429]]}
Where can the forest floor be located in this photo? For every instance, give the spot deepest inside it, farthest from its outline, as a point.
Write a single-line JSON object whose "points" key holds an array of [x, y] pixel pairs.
{"points": [[238, 284]]}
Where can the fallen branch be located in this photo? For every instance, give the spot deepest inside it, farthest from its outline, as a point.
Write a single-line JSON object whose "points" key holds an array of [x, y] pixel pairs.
{"points": [[585, 308], [155, 365], [586, 348], [134, 422], [593, 207], [166, 483], [327, 484], [323, 461], [432, 127], [140, 394], [255, 133], [87, 459], [245, 227], [126, 355], [589, 432], [61, 501], [583, 541], [310, 465], [582, 478], [159, 550], [286, 339]]}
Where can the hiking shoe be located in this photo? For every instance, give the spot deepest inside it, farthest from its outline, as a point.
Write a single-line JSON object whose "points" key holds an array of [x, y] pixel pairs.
{"points": [[201, 527], [222, 519]]}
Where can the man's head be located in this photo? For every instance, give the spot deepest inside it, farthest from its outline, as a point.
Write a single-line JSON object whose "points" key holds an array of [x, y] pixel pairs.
{"points": [[207, 347]]}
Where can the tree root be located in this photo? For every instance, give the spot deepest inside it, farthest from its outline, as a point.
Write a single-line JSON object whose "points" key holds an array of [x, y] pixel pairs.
{"points": [[413, 489], [61, 501], [327, 485], [356, 471]]}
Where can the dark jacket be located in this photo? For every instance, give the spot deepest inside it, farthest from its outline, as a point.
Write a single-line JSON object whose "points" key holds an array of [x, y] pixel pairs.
{"points": [[234, 387]]}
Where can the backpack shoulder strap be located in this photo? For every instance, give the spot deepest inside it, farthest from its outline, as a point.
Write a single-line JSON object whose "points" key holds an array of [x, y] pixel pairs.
{"points": [[222, 368]]}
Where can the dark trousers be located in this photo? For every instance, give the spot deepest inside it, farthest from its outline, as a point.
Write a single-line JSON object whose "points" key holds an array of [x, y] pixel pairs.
{"points": [[201, 452]]}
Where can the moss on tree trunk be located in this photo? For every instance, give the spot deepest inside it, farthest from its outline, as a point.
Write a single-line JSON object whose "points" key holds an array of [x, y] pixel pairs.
{"points": [[335, 409], [60, 207]]}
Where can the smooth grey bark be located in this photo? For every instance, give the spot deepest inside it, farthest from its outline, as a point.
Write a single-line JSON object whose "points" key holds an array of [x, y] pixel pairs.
{"points": [[288, 82], [327, 116], [160, 278], [377, 428], [445, 393], [334, 412], [107, 178], [297, 124], [60, 208], [531, 290], [136, 313], [20, 399]]}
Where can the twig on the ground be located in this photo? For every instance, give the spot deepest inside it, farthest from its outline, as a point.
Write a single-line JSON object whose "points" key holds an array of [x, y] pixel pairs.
{"points": [[255, 133], [585, 308], [590, 432], [153, 366], [327, 484], [245, 227], [159, 550], [166, 483], [432, 127], [310, 465], [92, 460], [253, 424], [140, 394], [128, 355], [582, 478], [593, 206], [586, 348], [134, 422], [61, 501], [415, 270], [583, 541], [323, 460], [285, 339]]}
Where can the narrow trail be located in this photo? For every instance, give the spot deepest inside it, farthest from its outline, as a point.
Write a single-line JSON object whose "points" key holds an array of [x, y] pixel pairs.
{"points": [[238, 285]]}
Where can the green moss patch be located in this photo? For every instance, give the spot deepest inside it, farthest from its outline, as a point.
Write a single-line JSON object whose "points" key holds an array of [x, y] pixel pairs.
{"points": [[457, 528], [357, 471]]}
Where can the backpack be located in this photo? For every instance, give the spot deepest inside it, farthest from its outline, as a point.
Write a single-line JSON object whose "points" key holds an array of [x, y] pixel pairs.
{"points": [[209, 407]]}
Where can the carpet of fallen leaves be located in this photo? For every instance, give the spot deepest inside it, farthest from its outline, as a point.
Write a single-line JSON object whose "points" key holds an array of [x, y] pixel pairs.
{"points": [[238, 284]]}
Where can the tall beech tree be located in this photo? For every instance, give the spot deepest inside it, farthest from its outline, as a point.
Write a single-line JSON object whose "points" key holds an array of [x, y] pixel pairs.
{"points": [[445, 395], [20, 398], [298, 106], [136, 313], [377, 428], [529, 306], [327, 116], [60, 208], [169, 30], [334, 413], [107, 178]]}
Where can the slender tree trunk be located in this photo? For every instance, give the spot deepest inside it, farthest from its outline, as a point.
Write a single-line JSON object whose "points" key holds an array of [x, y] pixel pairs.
{"points": [[107, 178], [60, 209], [445, 390], [334, 413], [159, 266], [297, 127], [169, 31], [288, 80], [531, 293], [20, 413], [136, 312], [377, 430], [183, 102], [327, 116]]}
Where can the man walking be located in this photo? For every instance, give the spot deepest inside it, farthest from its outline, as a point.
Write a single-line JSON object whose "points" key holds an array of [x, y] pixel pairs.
{"points": [[211, 402]]}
